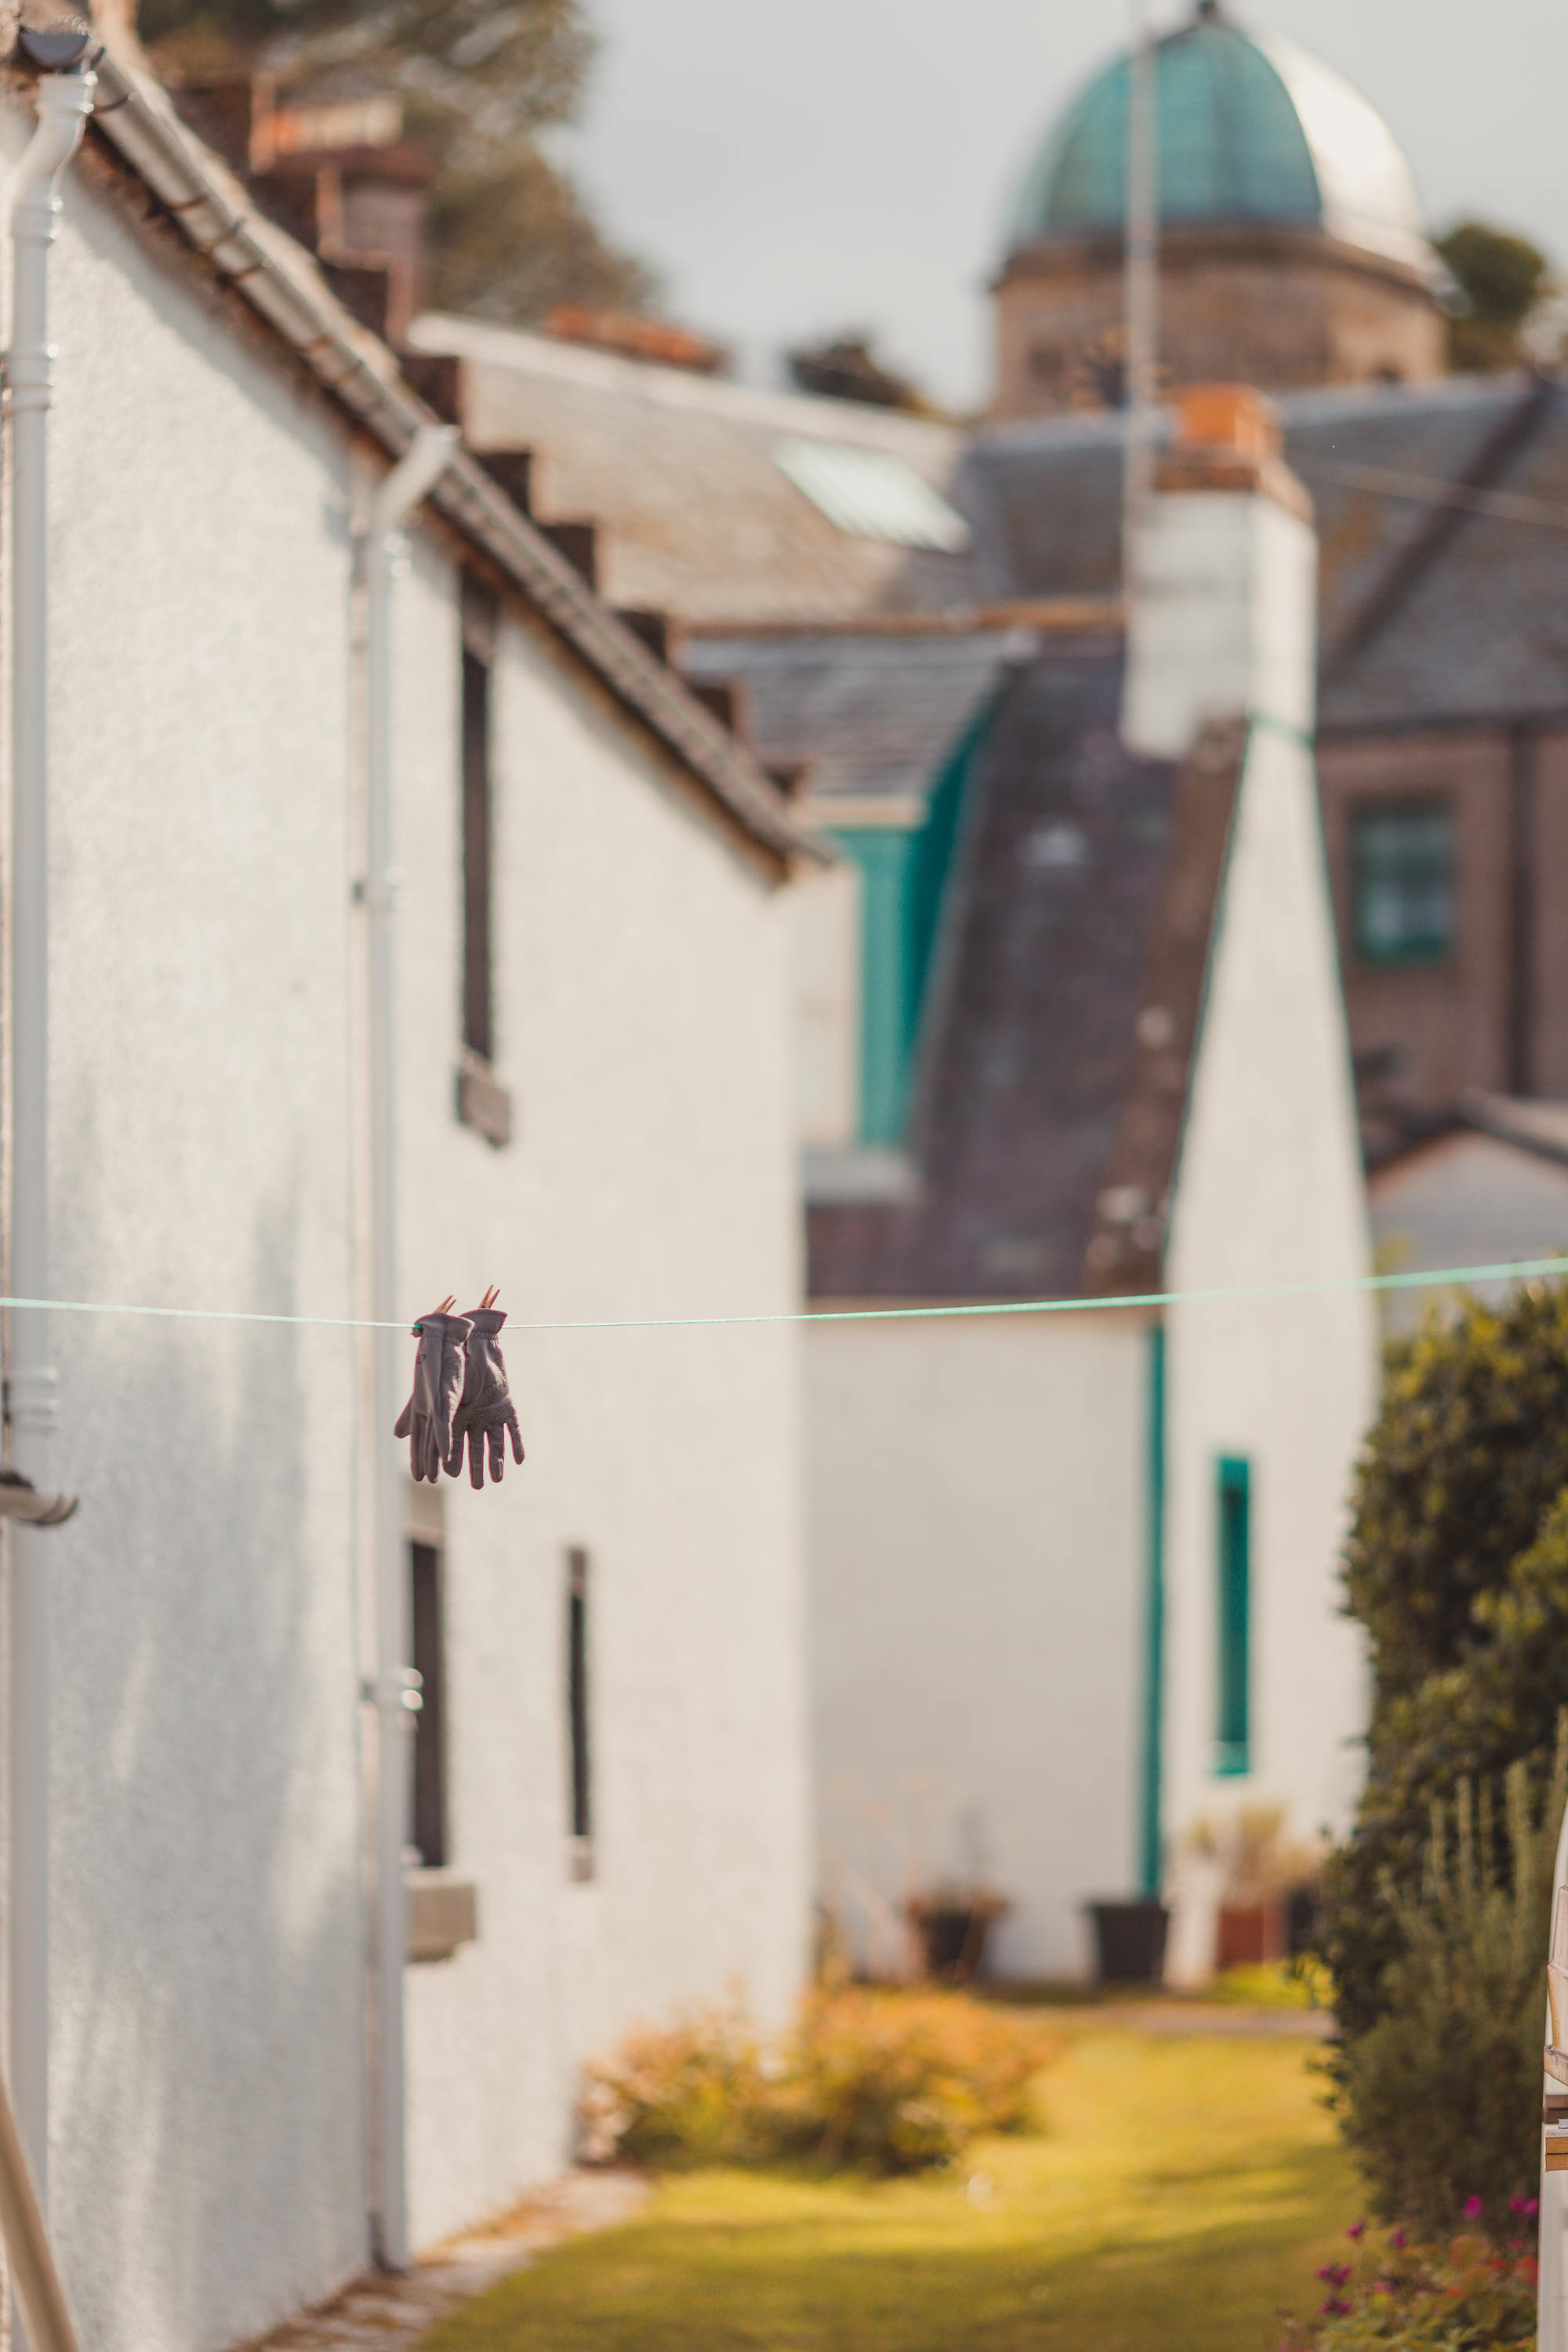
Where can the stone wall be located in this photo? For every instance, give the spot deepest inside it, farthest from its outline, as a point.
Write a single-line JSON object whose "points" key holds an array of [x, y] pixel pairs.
{"points": [[1277, 309]]}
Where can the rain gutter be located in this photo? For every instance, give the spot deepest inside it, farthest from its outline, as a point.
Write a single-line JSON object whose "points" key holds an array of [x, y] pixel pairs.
{"points": [[280, 282]]}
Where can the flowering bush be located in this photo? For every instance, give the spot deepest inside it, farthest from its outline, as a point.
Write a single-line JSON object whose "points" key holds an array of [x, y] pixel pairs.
{"points": [[889, 2082], [1475, 2295]]}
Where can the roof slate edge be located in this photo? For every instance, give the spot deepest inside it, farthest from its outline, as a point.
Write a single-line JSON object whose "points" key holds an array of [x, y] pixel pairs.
{"points": [[486, 344], [279, 281], [1412, 559], [1145, 1150]]}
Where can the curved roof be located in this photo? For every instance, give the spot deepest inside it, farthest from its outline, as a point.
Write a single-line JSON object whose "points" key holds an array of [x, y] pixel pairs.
{"points": [[1250, 128]]}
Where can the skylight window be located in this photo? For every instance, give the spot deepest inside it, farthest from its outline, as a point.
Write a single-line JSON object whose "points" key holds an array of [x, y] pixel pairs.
{"points": [[871, 494]]}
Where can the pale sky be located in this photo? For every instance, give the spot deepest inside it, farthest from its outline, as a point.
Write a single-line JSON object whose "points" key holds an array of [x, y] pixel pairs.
{"points": [[795, 166]]}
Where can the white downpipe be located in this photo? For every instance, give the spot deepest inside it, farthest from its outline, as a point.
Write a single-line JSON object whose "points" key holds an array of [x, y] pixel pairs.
{"points": [[64, 102], [414, 476]]}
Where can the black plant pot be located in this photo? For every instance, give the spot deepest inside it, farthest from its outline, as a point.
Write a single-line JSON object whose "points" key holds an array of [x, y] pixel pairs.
{"points": [[1130, 1941], [953, 1936]]}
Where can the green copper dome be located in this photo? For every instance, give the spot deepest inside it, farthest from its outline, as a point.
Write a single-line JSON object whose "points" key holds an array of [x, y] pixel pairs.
{"points": [[1250, 129]]}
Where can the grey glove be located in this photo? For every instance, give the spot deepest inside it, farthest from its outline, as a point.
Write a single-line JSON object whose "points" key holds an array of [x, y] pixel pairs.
{"points": [[486, 1410], [439, 1375]]}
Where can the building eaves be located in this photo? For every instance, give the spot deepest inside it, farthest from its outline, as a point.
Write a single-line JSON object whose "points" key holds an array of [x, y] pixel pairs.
{"points": [[282, 284], [1539, 1128]]}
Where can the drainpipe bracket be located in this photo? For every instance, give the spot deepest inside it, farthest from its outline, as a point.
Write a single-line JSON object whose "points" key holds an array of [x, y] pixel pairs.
{"points": [[20, 1499], [398, 1694]]}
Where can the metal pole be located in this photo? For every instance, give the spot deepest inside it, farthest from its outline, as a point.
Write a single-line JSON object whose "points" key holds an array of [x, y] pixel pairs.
{"points": [[416, 474], [1141, 288], [64, 100]]}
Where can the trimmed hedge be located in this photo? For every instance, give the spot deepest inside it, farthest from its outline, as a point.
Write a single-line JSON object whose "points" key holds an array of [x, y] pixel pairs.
{"points": [[1456, 1565]]}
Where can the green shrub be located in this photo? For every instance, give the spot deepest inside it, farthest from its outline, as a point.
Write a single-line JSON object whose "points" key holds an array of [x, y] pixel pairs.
{"points": [[885, 2082], [1470, 2295], [1441, 2099], [1457, 1566]]}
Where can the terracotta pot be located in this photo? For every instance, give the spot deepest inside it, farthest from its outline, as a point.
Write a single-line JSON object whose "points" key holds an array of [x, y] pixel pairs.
{"points": [[1250, 1932]]}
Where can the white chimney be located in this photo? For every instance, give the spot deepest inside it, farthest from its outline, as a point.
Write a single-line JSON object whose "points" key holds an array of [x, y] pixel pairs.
{"points": [[1221, 616]]}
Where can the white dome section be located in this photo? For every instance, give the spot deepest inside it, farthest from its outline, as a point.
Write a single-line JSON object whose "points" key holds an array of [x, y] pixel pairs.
{"points": [[1364, 181]]}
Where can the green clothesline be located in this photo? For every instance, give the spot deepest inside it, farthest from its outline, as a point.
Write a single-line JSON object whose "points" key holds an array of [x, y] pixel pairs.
{"points": [[1508, 1270]]}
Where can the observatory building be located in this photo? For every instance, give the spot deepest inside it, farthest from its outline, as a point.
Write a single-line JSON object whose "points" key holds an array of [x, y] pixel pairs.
{"points": [[1291, 251]]}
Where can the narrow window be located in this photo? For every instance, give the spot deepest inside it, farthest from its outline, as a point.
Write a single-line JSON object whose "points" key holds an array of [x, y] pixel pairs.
{"points": [[430, 1723], [479, 658], [581, 1791], [1402, 882], [1233, 1726]]}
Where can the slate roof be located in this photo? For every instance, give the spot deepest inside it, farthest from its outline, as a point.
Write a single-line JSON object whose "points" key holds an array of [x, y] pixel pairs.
{"points": [[1442, 512], [861, 716], [699, 519], [1046, 1096]]}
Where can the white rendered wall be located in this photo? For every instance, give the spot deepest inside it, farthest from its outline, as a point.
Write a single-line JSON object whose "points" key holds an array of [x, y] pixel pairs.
{"points": [[208, 1992], [977, 1526], [1269, 1192], [1224, 619], [644, 1025], [209, 1936], [825, 924]]}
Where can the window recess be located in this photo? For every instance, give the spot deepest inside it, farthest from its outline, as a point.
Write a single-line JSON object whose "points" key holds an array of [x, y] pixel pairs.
{"points": [[1233, 1677], [430, 1723], [579, 1758], [1402, 896], [482, 1103]]}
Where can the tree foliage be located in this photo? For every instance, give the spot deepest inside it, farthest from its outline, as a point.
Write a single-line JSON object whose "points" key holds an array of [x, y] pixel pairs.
{"points": [[482, 84], [848, 366], [1500, 278], [1457, 1567]]}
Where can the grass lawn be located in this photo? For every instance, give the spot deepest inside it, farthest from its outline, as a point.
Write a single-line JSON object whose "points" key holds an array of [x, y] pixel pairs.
{"points": [[1177, 2200]]}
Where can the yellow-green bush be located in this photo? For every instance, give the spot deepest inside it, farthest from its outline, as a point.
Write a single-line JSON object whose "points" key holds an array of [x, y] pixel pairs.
{"points": [[885, 2081]]}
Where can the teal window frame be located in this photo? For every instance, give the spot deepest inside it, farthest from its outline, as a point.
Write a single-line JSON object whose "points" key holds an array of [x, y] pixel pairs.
{"points": [[1233, 1582], [903, 876], [1404, 905]]}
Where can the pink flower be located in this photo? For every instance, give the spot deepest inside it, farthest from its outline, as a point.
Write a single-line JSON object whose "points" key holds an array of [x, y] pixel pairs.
{"points": [[1356, 2230], [1336, 2273], [1531, 2208], [1335, 2308], [1474, 2208], [1397, 2238]]}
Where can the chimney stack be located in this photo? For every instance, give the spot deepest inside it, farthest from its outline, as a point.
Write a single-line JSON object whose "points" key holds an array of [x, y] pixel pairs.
{"points": [[1222, 610]]}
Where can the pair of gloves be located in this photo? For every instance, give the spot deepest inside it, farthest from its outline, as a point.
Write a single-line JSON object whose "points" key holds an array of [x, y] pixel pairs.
{"points": [[459, 1391]]}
